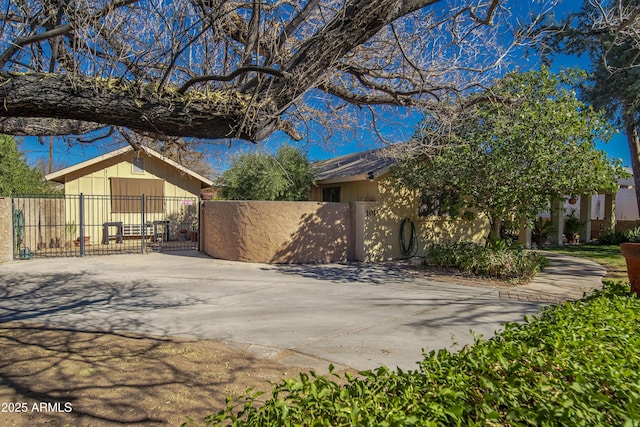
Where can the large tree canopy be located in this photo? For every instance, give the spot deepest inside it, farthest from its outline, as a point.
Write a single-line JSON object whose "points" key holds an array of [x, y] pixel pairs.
{"points": [[241, 69], [511, 157]]}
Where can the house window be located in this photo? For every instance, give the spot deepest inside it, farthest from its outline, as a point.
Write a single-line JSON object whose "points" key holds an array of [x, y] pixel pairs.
{"points": [[138, 165], [126, 195], [331, 194]]}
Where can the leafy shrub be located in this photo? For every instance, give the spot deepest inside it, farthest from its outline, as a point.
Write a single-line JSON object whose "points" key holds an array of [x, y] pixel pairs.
{"points": [[634, 235], [542, 230], [572, 225], [575, 364], [617, 237], [614, 238], [498, 260]]}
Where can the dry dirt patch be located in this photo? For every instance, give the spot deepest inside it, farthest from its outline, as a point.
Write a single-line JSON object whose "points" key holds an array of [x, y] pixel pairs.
{"points": [[113, 379]]}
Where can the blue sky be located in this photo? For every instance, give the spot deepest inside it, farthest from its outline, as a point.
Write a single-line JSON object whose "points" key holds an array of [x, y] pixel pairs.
{"points": [[396, 129]]}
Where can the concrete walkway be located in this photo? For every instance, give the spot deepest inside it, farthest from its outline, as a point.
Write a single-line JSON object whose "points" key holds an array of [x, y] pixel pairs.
{"points": [[352, 315], [566, 278]]}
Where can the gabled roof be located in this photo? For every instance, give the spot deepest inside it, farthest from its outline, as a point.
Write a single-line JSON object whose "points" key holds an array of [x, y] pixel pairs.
{"points": [[58, 176], [354, 167]]}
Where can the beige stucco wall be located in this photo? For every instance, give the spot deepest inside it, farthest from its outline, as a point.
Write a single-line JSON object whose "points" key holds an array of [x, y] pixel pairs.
{"points": [[276, 232], [6, 230], [377, 225], [296, 232]]}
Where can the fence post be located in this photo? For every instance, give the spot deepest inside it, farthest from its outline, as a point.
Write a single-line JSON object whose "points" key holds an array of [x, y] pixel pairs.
{"points": [[81, 212], [143, 240], [200, 245], [14, 252]]}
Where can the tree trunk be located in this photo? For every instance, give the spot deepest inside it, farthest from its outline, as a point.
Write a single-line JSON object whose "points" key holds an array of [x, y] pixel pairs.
{"points": [[496, 227], [21, 126]]}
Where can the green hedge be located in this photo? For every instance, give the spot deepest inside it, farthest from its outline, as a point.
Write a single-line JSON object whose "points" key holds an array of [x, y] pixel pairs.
{"points": [[501, 262], [576, 364], [617, 237]]}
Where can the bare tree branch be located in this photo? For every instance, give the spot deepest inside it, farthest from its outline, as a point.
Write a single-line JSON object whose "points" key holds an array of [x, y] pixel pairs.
{"points": [[217, 69], [110, 131], [229, 77], [58, 31], [292, 26], [620, 19]]}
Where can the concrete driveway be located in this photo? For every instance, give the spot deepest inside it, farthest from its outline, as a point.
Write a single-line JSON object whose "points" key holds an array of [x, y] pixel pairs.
{"points": [[356, 315]]}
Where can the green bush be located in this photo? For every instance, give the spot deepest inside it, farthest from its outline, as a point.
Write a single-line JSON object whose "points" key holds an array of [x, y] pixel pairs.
{"points": [[498, 261], [542, 230], [261, 176], [613, 238], [617, 237], [634, 235], [575, 364]]}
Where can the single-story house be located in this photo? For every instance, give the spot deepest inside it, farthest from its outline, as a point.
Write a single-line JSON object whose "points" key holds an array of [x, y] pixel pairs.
{"points": [[364, 178], [383, 215], [128, 172], [354, 213]]}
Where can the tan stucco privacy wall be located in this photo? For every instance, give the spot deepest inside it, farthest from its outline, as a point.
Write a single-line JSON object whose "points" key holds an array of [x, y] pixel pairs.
{"points": [[6, 230], [377, 232], [302, 232], [276, 232], [377, 225]]}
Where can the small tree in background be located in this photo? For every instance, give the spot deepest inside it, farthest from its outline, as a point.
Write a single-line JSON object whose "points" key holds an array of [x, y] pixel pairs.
{"points": [[16, 176], [510, 157], [261, 176]]}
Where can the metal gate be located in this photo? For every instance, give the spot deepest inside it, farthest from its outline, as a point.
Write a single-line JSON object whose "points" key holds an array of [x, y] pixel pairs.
{"points": [[60, 226]]}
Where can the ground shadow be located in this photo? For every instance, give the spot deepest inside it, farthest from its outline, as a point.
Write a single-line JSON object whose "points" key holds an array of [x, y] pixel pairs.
{"points": [[107, 379], [349, 272], [186, 254], [62, 344], [80, 299]]}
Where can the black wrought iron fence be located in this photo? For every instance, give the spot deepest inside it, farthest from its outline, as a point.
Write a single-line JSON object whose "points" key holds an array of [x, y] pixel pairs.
{"points": [[78, 225]]}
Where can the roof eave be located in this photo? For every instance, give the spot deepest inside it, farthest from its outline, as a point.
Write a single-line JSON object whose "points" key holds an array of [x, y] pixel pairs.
{"points": [[59, 176], [354, 178], [204, 182]]}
